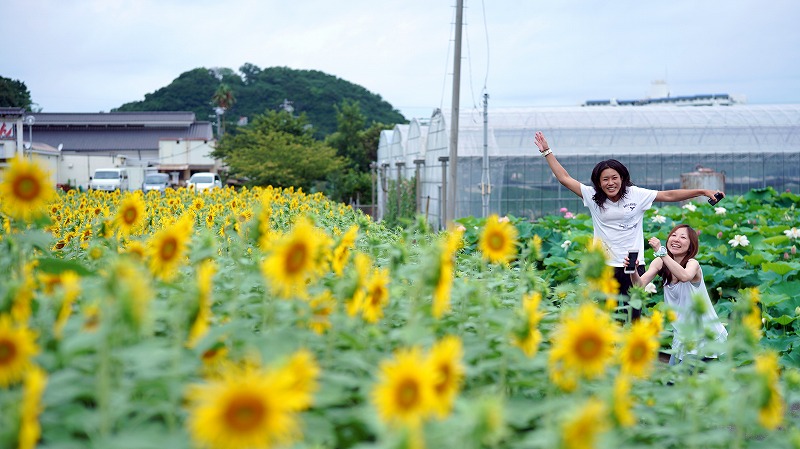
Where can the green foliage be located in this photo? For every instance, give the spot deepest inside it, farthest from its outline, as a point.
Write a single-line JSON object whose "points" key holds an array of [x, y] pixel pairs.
{"points": [[400, 202], [14, 94], [311, 92], [277, 149], [349, 185]]}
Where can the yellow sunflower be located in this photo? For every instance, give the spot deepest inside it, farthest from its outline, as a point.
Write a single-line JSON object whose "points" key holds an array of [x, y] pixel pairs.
{"points": [[405, 390], [639, 349], [245, 408], [355, 301], [322, 306], [445, 356], [205, 274], [528, 336], [341, 254], [377, 296], [444, 283], [771, 406], [71, 287], [167, 247], [17, 349], [498, 241], [30, 430], [623, 402], [130, 214], [25, 190], [584, 341], [294, 260], [303, 372], [582, 430]]}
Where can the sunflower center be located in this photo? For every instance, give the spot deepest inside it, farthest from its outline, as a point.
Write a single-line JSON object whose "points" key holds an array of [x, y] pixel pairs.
{"points": [[408, 394], [296, 258], [445, 374], [588, 347], [27, 188], [638, 351], [169, 249], [245, 413], [496, 241], [129, 216], [7, 352]]}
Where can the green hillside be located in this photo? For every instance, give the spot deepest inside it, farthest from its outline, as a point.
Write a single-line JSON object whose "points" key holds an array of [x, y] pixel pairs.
{"points": [[257, 91]]}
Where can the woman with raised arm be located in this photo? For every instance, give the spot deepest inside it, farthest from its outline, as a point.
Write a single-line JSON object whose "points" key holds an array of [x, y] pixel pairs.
{"points": [[617, 208], [685, 292]]}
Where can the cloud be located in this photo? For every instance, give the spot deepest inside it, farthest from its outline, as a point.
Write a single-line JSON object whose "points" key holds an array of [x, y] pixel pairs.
{"points": [[88, 55]]}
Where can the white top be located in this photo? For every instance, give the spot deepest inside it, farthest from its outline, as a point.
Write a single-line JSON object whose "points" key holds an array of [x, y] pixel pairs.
{"points": [[680, 296], [620, 225]]}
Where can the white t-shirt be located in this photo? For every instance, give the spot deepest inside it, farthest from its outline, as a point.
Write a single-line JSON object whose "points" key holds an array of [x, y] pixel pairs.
{"points": [[620, 225]]}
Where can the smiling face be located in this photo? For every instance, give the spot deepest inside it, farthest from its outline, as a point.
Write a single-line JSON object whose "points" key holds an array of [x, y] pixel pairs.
{"points": [[682, 242], [611, 183]]}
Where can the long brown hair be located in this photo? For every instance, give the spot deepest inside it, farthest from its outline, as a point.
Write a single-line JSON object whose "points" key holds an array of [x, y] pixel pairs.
{"points": [[694, 244]]}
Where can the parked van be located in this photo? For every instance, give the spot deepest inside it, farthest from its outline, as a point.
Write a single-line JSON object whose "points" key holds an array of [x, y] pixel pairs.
{"points": [[109, 179], [155, 181]]}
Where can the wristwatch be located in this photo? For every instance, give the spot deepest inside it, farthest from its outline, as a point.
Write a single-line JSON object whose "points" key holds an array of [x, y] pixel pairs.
{"points": [[662, 251]]}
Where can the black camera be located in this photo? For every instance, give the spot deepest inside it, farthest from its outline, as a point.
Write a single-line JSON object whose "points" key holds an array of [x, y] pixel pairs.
{"points": [[717, 197]]}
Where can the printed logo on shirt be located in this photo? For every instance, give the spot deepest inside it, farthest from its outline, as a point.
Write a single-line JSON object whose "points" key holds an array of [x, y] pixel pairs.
{"points": [[630, 206]]}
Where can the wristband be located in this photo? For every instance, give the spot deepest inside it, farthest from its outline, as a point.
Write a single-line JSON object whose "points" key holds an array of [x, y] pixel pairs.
{"points": [[662, 251], [547, 152]]}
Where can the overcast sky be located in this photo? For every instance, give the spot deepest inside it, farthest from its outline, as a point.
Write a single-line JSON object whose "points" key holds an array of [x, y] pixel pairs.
{"points": [[95, 55]]}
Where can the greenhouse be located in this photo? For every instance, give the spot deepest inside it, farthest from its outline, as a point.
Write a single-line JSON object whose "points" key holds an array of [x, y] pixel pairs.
{"points": [[732, 148]]}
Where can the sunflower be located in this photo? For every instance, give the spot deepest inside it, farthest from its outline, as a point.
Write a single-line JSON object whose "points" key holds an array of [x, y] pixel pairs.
{"points": [[581, 431], [30, 430], [444, 283], [528, 336], [623, 402], [404, 394], [356, 294], [303, 371], [17, 348], [135, 248], [498, 241], [244, 408], [294, 260], [377, 296], [130, 214], [771, 406], [166, 248], [584, 341], [322, 306], [639, 349], [25, 189], [445, 356], [205, 274], [70, 283], [341, 254]]}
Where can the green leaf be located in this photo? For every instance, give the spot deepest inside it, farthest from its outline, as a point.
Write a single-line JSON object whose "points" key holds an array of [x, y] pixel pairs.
{"points": [[58, 266], [782, 268], [783, 319]]}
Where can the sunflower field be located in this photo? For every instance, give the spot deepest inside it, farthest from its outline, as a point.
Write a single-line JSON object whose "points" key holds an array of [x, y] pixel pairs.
{"points": [[273, 318]]}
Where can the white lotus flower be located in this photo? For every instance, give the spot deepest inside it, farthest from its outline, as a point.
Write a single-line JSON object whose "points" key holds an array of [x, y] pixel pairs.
{"points": [[566, 244], [650, 288], [690, 207], [739, 240], [720, 210], [792, 233], [659, 219]]}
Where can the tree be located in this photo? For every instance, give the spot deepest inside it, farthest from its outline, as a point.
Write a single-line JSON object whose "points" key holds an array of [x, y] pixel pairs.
{"points": [[277, 149], [222, 100], [14, 94]]}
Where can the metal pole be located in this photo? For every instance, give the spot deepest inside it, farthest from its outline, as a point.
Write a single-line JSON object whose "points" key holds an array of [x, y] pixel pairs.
{"points": [[399, 184], [443, 196], [486, 187], [418, 183], [451, 193], [372, 170]]}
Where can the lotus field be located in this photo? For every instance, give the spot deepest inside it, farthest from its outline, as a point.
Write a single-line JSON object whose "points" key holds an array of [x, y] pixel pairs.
{"points": [[273, 318]]}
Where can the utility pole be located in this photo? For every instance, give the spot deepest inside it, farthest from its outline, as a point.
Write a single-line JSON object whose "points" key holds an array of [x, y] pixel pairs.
{"points": [[453, 187], [486, 185]]}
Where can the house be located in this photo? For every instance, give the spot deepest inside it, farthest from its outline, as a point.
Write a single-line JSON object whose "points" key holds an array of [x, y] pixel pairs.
{"points": [[168, 142]]}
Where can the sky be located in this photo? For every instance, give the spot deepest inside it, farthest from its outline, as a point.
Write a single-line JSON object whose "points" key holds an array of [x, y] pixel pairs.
{"points": [[95, 55]]}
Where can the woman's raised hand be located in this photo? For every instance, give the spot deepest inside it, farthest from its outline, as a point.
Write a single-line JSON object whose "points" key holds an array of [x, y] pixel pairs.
{"points": [[540, 141]]}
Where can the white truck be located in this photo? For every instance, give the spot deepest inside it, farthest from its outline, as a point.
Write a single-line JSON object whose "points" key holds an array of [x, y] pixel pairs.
{"points": [[109, 179]]}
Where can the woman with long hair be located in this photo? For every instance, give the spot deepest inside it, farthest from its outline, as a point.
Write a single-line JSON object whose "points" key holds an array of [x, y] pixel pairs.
{"points": [[617, 207], [685, 293]]}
